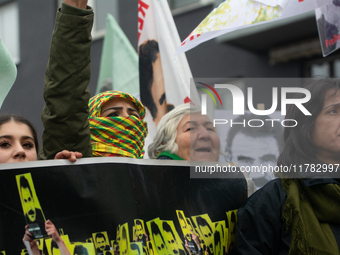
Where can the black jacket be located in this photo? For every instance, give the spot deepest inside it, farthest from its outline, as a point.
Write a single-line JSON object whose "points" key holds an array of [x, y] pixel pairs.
{"points": [[260, 228]]}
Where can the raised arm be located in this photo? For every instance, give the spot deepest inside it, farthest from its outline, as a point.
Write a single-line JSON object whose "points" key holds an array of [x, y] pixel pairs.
{"points": [[53, 233], [32, 243], [66, 92]]}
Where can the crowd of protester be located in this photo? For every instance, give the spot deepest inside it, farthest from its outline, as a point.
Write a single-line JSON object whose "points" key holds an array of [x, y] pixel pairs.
{"points": [[294, 214]]}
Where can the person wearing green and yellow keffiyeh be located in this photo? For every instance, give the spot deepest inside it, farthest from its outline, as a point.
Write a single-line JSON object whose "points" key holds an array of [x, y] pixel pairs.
{"points": [[117, 125], [299, 212], [66, 116]]}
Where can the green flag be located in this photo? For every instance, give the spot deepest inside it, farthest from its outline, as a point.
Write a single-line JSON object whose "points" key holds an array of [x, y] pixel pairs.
{"points": [[119, 61], [8, 72]]}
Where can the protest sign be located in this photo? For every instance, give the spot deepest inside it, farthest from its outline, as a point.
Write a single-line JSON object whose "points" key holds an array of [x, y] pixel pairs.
{"points": [[328, 20], [109, 195], [164, 77]]}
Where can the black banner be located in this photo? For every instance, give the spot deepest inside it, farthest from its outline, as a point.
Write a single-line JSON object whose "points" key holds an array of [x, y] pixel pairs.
{"points": [[97, 195]]}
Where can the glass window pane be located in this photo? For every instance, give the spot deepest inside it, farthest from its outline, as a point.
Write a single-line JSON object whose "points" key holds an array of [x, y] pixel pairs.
{"points": [[337, 68], [320, 70]]}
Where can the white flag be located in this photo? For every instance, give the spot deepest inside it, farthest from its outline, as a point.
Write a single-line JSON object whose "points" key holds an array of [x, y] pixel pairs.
{"points": [[164, 77], [232, 15]]}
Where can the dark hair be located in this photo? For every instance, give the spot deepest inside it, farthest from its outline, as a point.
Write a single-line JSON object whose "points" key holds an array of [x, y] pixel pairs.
{"points": [[4, 118], [272, 128], [147, 55], [217, 238], [118, 233], [138, 222], [24, 183], [167, 228], [124, 235], [203, 222], [100, 235], [150, 246], [299, 147], [156, 231], [79, 249], [180, 215]]}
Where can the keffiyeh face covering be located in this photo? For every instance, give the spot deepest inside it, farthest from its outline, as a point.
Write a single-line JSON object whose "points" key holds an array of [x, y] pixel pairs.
{"points": [[116, 136]]}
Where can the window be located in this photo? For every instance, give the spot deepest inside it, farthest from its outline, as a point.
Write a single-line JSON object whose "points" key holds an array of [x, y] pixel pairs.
{"points": [[337, 68], [101, 8], [327, 67], [9, 28], [321, 69]]}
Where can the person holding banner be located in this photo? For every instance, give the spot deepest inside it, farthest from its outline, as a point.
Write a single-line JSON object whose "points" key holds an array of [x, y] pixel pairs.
{"points": [[185, 134], [52, 232], [115, 117], [68, 125], [299, 213], [117, 125], [198, 243], [18, 139]]}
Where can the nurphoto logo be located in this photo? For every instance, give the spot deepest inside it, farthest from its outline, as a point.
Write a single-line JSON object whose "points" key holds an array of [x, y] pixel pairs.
{"points": [[238, 103]]}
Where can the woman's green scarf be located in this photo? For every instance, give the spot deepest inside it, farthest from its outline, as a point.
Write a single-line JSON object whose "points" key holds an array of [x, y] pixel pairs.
{"points": [[169, 155], [307, 213]]}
